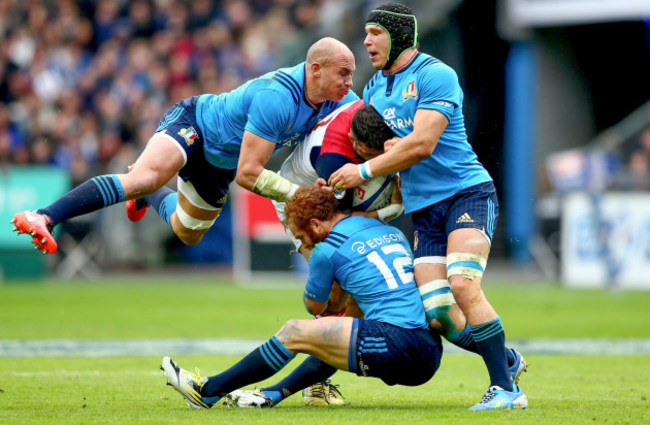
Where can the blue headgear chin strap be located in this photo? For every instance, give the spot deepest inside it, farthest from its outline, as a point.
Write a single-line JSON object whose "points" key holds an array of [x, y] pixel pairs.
{"points": [[400, 24]]}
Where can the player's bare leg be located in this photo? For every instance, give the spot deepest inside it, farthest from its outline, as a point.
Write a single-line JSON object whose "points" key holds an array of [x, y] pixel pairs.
{"points": [[157, 164], [196, 222], [326, 339], [446, 316], [467, 290], [326, 393], [467, 254], [189, 216], [437, 272]]}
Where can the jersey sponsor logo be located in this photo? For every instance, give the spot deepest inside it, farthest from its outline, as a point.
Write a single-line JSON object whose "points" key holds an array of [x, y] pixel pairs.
{"points": [[389, 113], [465, 218], [410, 92], [189, 135], [360, 247], [399, 123]]}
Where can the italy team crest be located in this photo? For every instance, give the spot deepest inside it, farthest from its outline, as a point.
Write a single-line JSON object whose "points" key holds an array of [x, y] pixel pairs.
{"points": [[410, 92], [189, 134]]}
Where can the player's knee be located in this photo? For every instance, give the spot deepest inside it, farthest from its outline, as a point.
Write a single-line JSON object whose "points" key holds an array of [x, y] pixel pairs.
{"points": [[288, 332], [465, 272], [137, 185], [190, 230], [189, 237], [466, 291]]}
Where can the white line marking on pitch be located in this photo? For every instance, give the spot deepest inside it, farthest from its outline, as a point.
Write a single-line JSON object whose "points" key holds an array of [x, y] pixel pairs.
{"points": [[177, 347], [73, 373]]}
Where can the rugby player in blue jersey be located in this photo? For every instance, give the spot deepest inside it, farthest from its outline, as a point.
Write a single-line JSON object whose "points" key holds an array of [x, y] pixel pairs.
{"points": [[373, 263], [449, 194], [209, 141]]}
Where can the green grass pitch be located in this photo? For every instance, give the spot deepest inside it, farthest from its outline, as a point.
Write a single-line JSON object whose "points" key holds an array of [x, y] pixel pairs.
{"points": [[562, 389]]}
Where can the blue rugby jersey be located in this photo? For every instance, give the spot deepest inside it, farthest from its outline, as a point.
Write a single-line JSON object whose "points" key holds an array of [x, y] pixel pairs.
{"points": [[273, 106], [373, 263], [428, 83]]}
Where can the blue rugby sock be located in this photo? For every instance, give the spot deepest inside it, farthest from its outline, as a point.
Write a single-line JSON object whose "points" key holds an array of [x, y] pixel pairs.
{"points": [[91, 195], [260, 364], [163, 201], [490, 341], [310, 372], [465, 340]]}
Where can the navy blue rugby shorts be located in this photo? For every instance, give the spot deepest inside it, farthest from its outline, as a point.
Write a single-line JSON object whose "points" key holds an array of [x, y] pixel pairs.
{"points": [[476, 207], [210, 182], [393, 354]]}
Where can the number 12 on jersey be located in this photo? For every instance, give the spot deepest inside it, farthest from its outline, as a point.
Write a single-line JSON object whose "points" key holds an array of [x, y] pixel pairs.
{"points": [[399, 264]]}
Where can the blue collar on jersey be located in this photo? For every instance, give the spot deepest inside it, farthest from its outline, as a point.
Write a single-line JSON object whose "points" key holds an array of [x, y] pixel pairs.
{"points": [[403, 68]]}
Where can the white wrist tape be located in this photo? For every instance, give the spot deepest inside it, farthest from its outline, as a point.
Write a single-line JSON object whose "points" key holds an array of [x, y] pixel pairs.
{"points": [[364, 171], [273, 186], [390, 212]]}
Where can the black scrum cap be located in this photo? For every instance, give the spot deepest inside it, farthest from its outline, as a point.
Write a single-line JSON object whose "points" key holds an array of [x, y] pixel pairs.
{"points": [[400, 24]]}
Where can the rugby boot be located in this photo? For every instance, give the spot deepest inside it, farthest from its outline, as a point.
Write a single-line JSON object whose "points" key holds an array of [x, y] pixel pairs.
{"points": [[520, 366], [323, 394], [186, 383], [498, 398], [39, 227], [248, 398]]}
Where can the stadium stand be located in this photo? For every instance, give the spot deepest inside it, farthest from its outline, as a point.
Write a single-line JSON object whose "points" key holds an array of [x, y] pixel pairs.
{"points": [[83, 83]]}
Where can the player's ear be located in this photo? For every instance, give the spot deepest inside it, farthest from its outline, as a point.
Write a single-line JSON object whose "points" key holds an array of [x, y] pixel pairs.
{"points": [[315, 68]]}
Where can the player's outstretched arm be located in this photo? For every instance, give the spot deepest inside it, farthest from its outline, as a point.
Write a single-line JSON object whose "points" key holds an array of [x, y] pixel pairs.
{"points": [[251, 174]]}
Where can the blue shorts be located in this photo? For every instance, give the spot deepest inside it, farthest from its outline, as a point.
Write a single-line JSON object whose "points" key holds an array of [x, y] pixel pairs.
{"points": [[393, 354], [210, 182], [476, 207]]}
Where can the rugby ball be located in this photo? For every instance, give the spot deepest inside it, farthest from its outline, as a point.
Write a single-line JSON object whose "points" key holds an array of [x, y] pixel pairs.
{"points": [[373, 193]]}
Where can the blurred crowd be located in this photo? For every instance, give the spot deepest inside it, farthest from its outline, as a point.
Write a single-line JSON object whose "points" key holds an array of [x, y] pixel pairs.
{"points": [[85, 82], [636, 173]]}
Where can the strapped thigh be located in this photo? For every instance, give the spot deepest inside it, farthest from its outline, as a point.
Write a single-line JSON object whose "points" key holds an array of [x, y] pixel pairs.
{"points": [[190, 193], [467, 265]]}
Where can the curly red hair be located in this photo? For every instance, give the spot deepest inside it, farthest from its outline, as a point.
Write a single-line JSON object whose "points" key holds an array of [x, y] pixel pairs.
{"points": [[310, 202]]}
